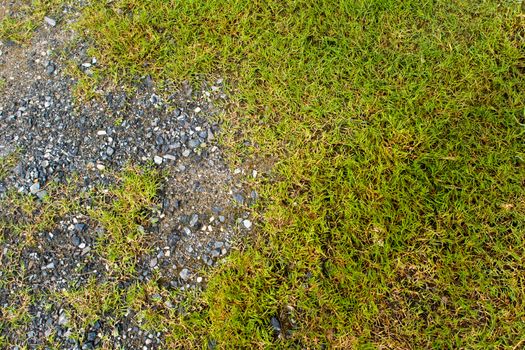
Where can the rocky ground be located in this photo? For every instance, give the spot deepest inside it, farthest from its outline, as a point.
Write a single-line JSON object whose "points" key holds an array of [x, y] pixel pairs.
{"points": [[51, 138]]}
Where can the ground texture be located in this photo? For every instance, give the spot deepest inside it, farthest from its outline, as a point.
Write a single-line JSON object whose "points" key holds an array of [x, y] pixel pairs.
{"points": [[280, 174]]}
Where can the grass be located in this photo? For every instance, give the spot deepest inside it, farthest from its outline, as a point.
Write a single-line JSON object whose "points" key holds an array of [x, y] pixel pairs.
{"points": [[29, 15], [394, 213], [25, 215], [7, 162], [15, 315], [124, 211]]}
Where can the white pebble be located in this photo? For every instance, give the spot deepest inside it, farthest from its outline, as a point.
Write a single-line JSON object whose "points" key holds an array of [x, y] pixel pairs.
{"points": [[247, 223], [50, 21]]}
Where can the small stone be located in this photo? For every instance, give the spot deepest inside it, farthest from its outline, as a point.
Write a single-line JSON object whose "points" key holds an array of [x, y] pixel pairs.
{"points": [[193, 143], [100, 166], [197, 110], [102, 133], [276, 325], [80, 227], [75, 240], [88, 346], [91, 336], [199, 279], [247, 223], [50, 21], [110, 151], [186, 153], [194, 219], [82, 245], [34, 188], [41, 194], [157, 160], [184, 274], [153, 262], [238, 198], [62, 319], [49, 266], [50, 69], [159, 140]]}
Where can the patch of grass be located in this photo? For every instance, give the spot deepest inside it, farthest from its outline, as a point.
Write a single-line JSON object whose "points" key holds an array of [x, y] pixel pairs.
{"points": [[15, 315], [86, 85], [25, 215], [28, 15], [395, 212], [7, 163], [88, 303], [124, 211], [154, 308]]}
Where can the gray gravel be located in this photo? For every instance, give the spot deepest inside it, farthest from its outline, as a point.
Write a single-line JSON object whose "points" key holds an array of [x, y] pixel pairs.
{"points": [[174, 129]]}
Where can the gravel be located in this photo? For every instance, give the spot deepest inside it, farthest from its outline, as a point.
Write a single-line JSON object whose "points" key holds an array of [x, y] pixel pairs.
{"points": [[196, 224]]}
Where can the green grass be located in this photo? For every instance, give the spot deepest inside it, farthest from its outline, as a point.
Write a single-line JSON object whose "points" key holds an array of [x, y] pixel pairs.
{"points": [[9, 161], [25, 215], [394, 213], [28, 16], [124, 211]]}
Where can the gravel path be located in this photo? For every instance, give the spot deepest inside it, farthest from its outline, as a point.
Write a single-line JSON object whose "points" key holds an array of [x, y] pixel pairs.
{"points": [[203, 207]]}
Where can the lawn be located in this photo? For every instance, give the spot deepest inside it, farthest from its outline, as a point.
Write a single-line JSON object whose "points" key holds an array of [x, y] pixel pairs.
{"points": [[392, 212]]}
